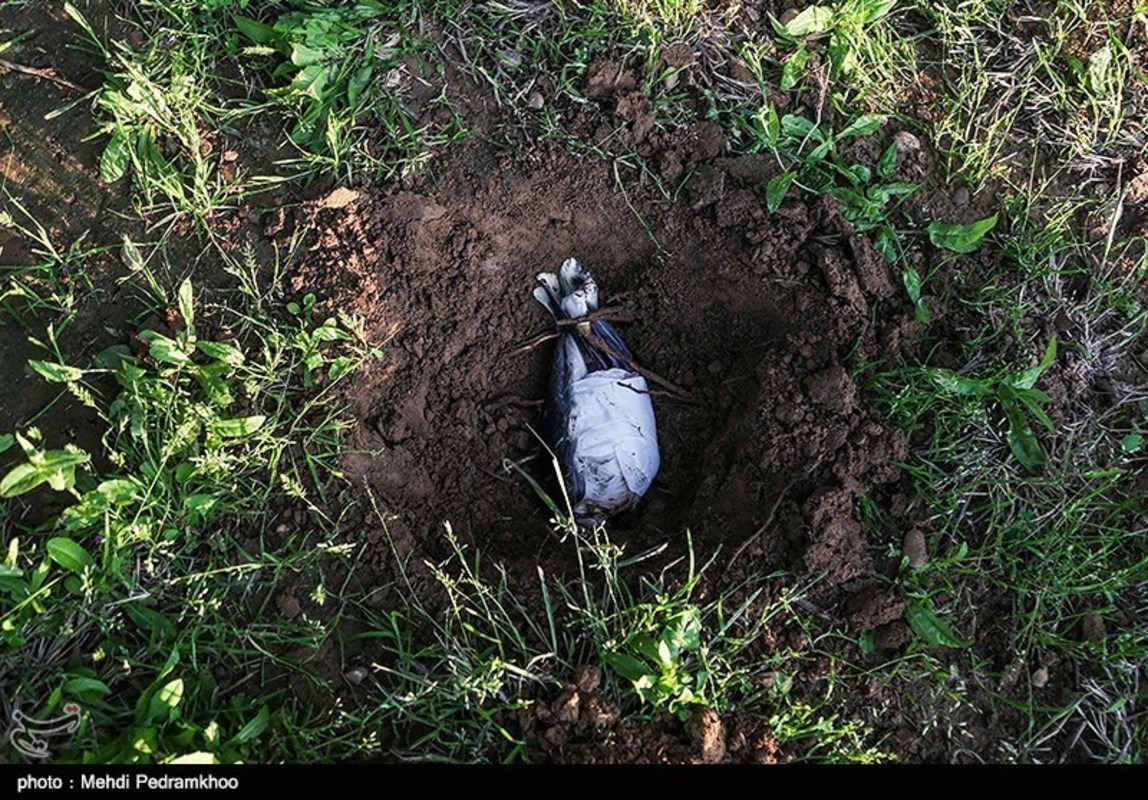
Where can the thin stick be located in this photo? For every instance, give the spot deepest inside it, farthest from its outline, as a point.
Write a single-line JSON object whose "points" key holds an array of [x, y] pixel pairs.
{"points": [[533, 342], [601, 314], [602, 345], [44, 74], [764, 526]]}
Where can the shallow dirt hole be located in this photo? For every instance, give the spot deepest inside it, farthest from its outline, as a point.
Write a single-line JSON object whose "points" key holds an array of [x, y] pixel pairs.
{"points": [[752, 314]]}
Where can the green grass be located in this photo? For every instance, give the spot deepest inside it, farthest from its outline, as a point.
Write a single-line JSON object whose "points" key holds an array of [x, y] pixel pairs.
{"points": [[210, 496], [450, 681], [155, 581]]}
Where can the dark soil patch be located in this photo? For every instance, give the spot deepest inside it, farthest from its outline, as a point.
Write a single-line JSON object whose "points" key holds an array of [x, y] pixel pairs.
{"points": [[760, 318]]}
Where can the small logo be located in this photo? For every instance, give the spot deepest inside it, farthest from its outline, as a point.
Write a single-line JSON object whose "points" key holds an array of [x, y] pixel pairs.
{"points": [[30, 736]]}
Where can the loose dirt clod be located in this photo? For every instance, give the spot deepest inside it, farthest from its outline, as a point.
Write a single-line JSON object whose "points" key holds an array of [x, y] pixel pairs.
{"points": [[708, 733], [1092, 628]]}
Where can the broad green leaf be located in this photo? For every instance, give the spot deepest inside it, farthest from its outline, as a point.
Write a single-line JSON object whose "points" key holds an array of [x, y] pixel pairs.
{"points": [[912, 280], [796, 127], [80, 686], [166, 699], [862, 126], [241, 426], [811, 21], [254, 727], [1026, 379], [54, 467], [961, 385], [873, 11], [198, 757], [254, 30], [931, 628], [777, 188], [887, 163], [114, 161], [358, 83], [6, 441], [200, 503], [151, 621], [1132, 443], [22, 479], [887, 244], [164, 349], [1021, 440], [626, 665], [859, 175], [340, 367], [1098, 64], [68, 554], [772, 125], [304, 56], [132, 256], [56, 373], [330, 331], [793, 69], [228, 354], [184, 299], [960, 238], [119, 490]]}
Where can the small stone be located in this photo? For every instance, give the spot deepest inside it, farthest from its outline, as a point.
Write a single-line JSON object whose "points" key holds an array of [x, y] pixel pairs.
{"points": [[288, 606], [961, 196], [915, 549], [536, 101], [356, 675], [1040, 677], [906, 142], [339, 198], [715, 367], [787, 16]]}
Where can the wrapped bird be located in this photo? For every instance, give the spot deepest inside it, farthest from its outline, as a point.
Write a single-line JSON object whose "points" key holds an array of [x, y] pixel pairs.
{"points": [[599, 417]]}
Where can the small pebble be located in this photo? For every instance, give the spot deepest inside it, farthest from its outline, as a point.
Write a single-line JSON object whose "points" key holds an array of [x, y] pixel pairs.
{"points": [[536, 101], [356, 675], [961, 196], [1040, 677], [907, 142], [915, 549], [715, 367]]}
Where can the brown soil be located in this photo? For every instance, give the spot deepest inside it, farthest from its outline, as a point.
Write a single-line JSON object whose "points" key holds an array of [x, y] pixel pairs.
{"points": [[761, 320]]}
